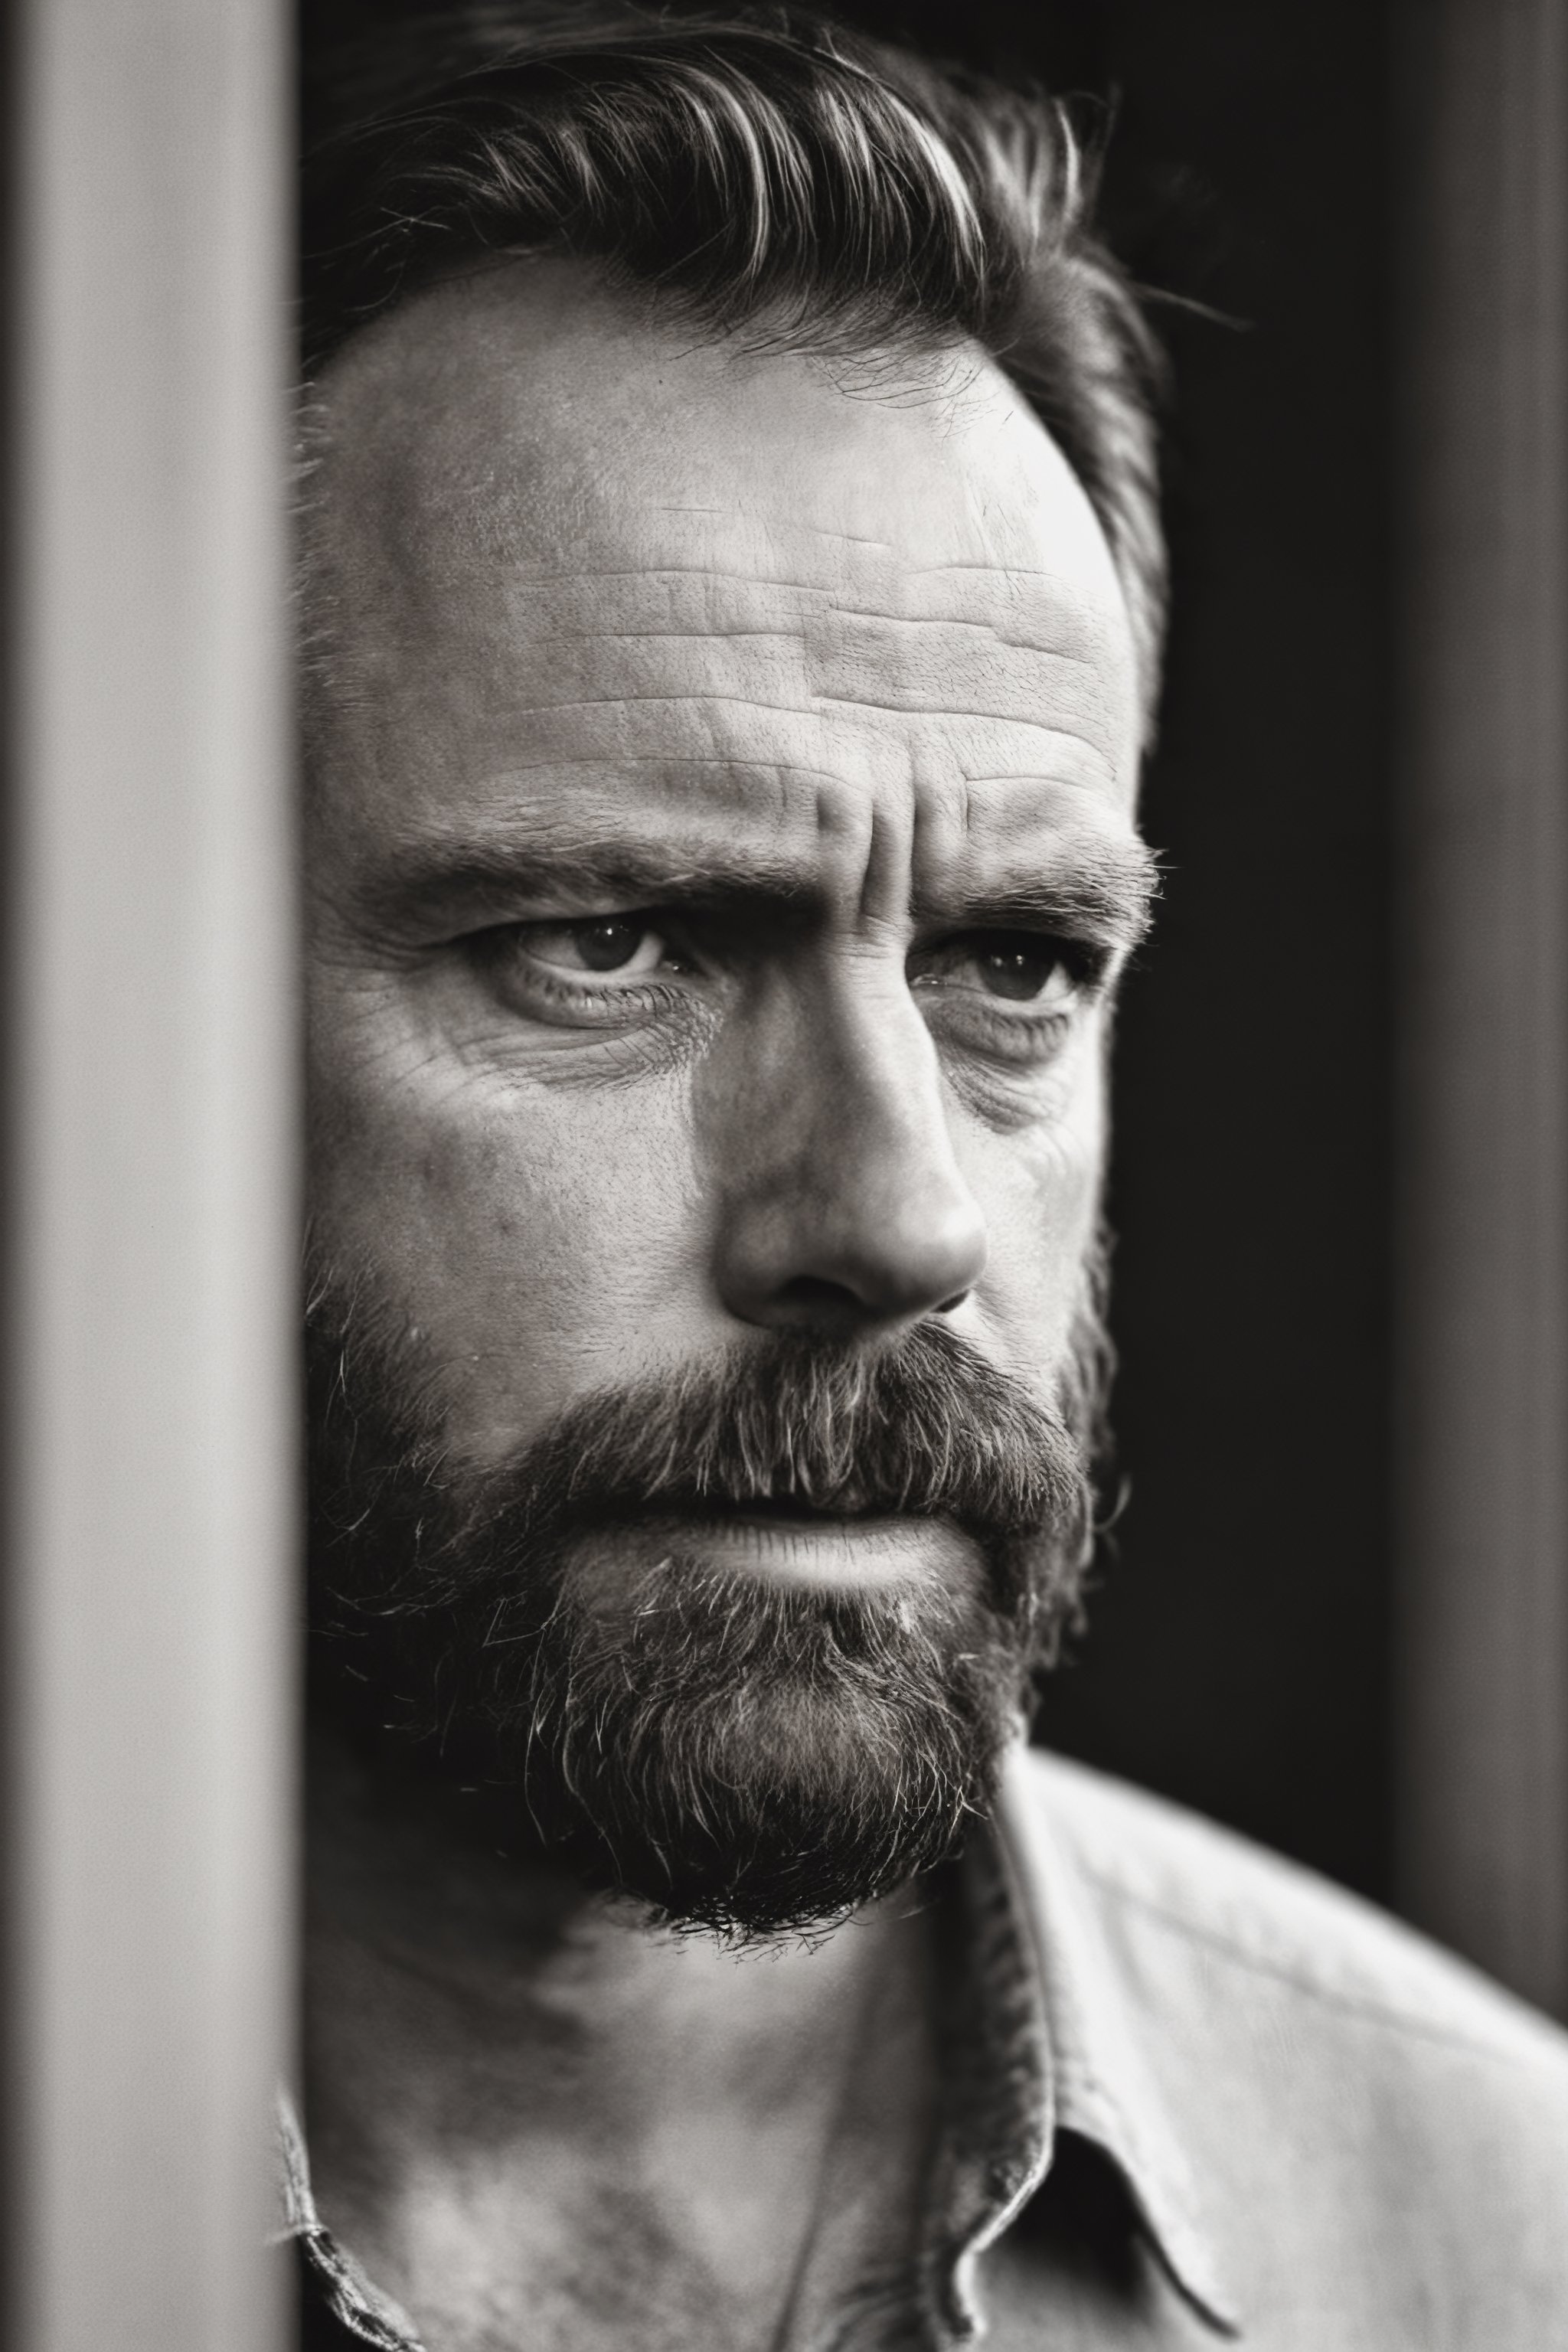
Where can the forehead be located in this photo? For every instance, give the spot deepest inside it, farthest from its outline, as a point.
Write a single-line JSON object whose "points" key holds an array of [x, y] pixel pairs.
{"points": [[571, 562]]}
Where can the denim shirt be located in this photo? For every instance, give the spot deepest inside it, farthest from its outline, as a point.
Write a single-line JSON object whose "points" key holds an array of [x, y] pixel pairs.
{"points": [[1192, 2094]]}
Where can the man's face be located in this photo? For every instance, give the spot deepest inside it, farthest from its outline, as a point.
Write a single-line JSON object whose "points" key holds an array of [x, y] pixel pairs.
{"points": [[720, 851]]}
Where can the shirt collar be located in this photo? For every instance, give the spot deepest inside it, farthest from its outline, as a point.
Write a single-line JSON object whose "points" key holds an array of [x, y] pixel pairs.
{"points": [[365, 2315], [1102, 2084]]}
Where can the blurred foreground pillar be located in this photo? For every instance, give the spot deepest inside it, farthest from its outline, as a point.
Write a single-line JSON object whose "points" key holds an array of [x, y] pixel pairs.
{"points": [[150, 1181], [1484, 860]]}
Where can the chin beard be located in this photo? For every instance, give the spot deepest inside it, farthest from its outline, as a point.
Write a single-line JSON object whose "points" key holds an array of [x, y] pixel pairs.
{"points": [[739, 1754]]}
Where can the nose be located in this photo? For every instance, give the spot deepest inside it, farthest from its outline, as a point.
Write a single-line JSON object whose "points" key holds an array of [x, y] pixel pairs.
{"points": [[844, 1206]]}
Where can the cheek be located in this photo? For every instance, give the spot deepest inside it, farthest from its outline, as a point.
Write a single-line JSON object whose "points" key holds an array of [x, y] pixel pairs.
{"points": [[1040, 1191], [540, 1238]]}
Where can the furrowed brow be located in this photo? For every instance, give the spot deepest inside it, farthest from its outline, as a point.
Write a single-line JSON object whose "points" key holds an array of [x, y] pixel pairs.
{"points": [[464, 881]]}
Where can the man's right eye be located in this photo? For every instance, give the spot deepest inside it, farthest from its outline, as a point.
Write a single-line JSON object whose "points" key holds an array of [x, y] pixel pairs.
{"points": [[587, 970], [622, 947]]}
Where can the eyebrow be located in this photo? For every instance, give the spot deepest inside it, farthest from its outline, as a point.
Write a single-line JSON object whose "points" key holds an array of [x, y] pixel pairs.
{"points": [[1089, 886], [1096, 888], [457, 880]]}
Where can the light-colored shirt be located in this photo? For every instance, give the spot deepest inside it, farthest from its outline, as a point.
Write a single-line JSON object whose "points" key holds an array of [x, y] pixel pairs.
{"points": [[1192, 2094]]}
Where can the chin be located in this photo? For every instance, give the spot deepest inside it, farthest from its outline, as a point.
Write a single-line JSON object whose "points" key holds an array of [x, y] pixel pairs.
{"points": [[745, 1754]]}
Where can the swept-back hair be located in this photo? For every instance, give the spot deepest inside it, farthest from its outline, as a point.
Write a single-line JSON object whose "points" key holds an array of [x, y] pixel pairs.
{"points": [[763, 169]]}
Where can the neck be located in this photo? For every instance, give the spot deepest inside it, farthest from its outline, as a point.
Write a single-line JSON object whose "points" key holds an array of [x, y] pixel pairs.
{"points": [[502, 2073]]}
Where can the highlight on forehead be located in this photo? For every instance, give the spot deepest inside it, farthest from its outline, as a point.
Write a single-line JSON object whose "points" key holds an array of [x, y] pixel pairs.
{"points": [[529, 377], [771, 173], [586, 483]]}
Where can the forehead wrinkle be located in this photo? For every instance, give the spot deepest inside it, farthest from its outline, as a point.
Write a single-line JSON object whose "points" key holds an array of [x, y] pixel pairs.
{"points": [[1073, 627], [850, 717], [835, 724], [529, 437], [939, 714], [898, 651], [886, 662], [553, 638], [859, 658], [1032, 609], [470, 750]]}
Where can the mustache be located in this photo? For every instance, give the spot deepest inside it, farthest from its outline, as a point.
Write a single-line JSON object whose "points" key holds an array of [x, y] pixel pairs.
{"points": [[737, 1754], [926, 1430], [923, 1427]]}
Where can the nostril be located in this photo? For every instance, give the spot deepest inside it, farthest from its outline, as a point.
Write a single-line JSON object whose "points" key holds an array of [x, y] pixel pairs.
{"points": [[951, 1306], [812, 1290]]}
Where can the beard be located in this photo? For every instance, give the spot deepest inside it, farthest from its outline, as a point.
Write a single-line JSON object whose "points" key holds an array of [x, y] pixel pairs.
{"points": [[743, 1755]]}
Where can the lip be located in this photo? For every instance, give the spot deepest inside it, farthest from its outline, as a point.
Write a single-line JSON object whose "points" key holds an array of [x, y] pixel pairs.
{"points": [[806, 1547]]}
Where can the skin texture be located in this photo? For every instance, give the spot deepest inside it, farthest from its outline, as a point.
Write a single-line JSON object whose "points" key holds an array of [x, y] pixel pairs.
{"points": [[818, 673]]}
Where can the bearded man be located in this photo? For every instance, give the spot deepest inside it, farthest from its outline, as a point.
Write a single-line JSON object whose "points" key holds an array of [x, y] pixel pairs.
{"points": [[731, 588]]}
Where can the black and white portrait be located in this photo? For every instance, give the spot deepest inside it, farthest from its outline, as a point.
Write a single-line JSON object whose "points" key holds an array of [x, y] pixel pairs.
{"points": [[802, 774]]}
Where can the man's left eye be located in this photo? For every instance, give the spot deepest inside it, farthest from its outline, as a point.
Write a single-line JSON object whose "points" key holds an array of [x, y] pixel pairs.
{"points": [[1025, 970], [622, 947], [1022, 968]]}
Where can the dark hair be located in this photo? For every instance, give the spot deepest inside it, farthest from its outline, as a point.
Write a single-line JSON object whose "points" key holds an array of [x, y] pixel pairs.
{"points": [[762, 169]]}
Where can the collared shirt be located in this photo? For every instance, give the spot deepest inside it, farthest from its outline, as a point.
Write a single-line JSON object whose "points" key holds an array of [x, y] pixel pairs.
{"points": [[1196, 2095]]}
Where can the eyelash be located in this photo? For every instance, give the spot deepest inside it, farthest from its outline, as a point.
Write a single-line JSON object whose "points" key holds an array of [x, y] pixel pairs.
{"points": [[641, 995], [604, 1009]]}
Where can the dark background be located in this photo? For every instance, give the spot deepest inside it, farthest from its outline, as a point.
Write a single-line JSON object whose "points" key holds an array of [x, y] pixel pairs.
{"points": [[1239, 1653]]}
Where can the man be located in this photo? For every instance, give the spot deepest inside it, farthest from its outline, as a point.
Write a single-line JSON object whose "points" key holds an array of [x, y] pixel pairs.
{"points": [[732, 592]]}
